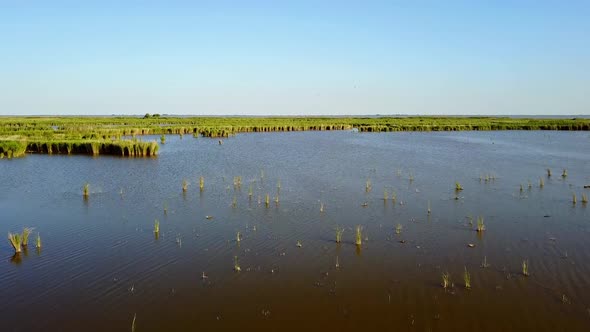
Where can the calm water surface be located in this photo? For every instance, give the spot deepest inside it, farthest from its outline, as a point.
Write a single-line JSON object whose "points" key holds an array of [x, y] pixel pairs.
{"points": [[101, 263]]}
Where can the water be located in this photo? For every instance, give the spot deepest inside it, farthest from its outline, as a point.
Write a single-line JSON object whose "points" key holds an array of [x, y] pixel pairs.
{"points": [[101, 263]]}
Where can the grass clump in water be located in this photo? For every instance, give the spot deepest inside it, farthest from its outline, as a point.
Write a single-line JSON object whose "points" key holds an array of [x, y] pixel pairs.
{"points": [[525, 267], [541, 183], [467, 279], [385, 195], [458, 186], [564, 174], [584, 199], [267, 200], [548, 172], [25, 235], [163, 139], [237, 267], [184, 185], [368, 185], [201, 183], [16, 240], [398, 229], [156, 226], [480, 225], [339, 232], [238, 237], [359, 237], [446, 280], [574, 199], [86, 190], [38, 242]]}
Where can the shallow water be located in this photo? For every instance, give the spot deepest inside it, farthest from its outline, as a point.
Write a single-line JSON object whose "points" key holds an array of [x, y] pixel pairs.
{"points": [[101, 263]]}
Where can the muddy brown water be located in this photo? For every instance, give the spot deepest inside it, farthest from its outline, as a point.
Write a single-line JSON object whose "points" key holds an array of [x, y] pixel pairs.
{"points": [[101, 264]]}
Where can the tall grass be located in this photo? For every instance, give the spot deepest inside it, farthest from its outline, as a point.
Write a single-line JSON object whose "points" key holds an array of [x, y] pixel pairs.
{"points": [[156, 226], [38, 242], [368, 185], [525, 267], [184, 185], [16, 240], [267, 200], [201, 183], [584, 198], [238, 237]]}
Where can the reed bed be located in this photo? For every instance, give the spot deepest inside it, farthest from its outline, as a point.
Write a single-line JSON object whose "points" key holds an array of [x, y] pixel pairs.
{"points": [[94, 136]]}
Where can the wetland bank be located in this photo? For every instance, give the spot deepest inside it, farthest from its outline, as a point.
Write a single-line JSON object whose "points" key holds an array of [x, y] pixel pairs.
{"points": [[261, 232]]}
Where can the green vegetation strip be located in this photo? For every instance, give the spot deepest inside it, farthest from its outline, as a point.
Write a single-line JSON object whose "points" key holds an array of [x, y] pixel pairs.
{"points": [[118, 135]]}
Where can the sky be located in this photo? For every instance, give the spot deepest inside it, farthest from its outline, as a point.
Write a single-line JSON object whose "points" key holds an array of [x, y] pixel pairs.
{"points": [[295, 57]]}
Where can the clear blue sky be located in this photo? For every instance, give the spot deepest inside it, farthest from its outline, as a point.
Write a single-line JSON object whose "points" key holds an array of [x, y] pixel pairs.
{"points": [[295, 57]]}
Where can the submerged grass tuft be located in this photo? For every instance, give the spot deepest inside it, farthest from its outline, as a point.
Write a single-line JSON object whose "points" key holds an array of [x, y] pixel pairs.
{"points": [[86, 190], [480, 224], [339, 232], [525, 267], [446, 280], [359, 239], [237, 267], [25, 236], [16, 240], [467, 278], [574, 199]]}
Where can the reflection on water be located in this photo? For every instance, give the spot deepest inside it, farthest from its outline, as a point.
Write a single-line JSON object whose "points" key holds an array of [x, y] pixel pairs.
{"points": [[184, 277]]}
